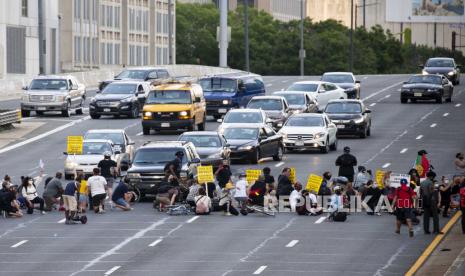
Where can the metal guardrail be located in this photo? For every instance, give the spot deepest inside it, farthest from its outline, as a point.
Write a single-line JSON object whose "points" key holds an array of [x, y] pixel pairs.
{"points": [[8, 117]]}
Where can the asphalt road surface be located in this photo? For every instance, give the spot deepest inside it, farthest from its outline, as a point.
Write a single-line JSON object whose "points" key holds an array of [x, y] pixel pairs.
{"points": [[146, 242]]}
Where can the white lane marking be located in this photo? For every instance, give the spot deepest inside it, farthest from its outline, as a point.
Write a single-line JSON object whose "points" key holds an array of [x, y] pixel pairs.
{"points": [[381, 91], [373, 104], [387, 96], [43, 135], [62, 220], [269, 85], [284, 81], [260, 270], [131, 125], [365, 78], [139, 134], [386, 165], [115, 268], [320, 220], [386, 147], [404, 150], [155, 242], [433, 125], [119, 246], [445, 114], [292, 243], [19, 243], [458, 105], [419, 137], [279, 164], [192, 219]]}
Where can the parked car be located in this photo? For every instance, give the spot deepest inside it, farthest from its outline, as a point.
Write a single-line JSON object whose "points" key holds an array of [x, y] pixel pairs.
{"points": [[321, 91], [350, 117], [427, 87], [275, 107], [243, 117], [210, 145], [345, 80], [253, 143], [299, 102], [53, 93], [174, 105], [147, 168], [119, 98], [309, 131], [227, 91], [443, 66], [148, 74], [121, 142]]}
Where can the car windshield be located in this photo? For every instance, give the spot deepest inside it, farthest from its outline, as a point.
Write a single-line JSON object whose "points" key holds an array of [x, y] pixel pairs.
{"points": [[338, 78], [303, 87], [240, 133], [352, 108], [116, 138], [218, 85], [440, 63], [293, 99], [169, 97], [117, 88], [266, 104], [95, 148], [156, 156], [202, 141], [305, 122], [243, 117], [44, 84], [132, 74], [426, 79]]}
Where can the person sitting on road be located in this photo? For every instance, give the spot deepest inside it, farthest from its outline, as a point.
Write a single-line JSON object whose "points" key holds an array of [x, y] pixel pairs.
{"points": [[203, 204], [325, 188], [295, 196], [29, 192], [269, 179], [361, 179], [122, 196], [270, 200], [6, 183], [284, 183], [257, 191], [53, 192], [174, 166], [167, 192], [226, 200], [96, 185], [223, 174], [374, 193], [337, 202], [69, 199], [193, 192], [8, 202]]}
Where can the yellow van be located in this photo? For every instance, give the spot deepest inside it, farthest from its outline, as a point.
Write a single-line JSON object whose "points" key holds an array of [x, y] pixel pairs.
{"points": [[174, 105]]}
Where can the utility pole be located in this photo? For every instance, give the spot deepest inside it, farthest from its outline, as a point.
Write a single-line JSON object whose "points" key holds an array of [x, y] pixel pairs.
{"points": [[246, 35], [302, 50], [364, 14], [170, 32], [40, 12], [351, 34], [223, 33]]}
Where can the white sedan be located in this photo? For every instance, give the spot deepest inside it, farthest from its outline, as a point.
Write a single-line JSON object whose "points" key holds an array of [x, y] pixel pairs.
{"points": [[243, 117], [322, 91], [309, 131], [120, 139]]}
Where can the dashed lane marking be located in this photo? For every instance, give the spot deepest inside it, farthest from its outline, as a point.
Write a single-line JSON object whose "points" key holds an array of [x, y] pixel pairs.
{"points": [[260, 270], [404, 150], [445, 114], [419, 137], [387, 96], [279, 164], [269, 85], [373, 104], [386, 165], [155, 243], [62, 220], [113, 269], [320, 220], [19, 243], [192, 219], [381, 91], [458, 105], [139, 134], [284, 81], [433, 125], [292, 243]]}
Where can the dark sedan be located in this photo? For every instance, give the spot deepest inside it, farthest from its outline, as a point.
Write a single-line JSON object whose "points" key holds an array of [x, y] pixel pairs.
{"points": [[299, 102], [427, 87], [148, 74], [350, 117], [346, 81], [443, 66], [210, 145], [254, 143]]}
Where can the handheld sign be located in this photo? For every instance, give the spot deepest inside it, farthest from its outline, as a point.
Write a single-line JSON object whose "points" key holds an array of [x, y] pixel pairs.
{"points": [[292, 176], [396, 177], [314, 183], [252, 175], [379, 178], [205, 174], [75, 144]]}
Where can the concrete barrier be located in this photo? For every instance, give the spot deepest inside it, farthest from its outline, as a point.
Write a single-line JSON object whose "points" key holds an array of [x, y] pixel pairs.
{"points": [[11, 88]]}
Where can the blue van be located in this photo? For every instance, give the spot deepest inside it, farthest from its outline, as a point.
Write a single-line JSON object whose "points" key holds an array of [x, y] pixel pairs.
{"points": [[226, 91]]}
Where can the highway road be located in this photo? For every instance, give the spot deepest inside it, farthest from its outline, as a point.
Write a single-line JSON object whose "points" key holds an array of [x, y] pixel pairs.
{"points": [[146, 242]]}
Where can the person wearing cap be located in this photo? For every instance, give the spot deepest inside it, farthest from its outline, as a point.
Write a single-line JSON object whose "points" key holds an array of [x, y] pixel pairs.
{"points": [[361, 179], [403, 203], [346, 163], [430, 200], [8, 202], [174, 166], [53, 193], [108, 170], [240, 192], [337, 202]]}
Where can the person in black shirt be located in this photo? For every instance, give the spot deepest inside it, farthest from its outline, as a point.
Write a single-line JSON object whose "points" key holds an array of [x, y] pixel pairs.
{"points": [[8, 202], [346, 163], [109, 170], [269, 179], [257, 191], [445, 190], [174, 167], [284, 183], [121, 196], [223, 175]]}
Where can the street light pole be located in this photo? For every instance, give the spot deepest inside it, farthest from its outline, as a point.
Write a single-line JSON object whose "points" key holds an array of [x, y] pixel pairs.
{"points": [[170, 32], [364, 14], [302, 50], [246, 35], [223, 33], [351, 34]]}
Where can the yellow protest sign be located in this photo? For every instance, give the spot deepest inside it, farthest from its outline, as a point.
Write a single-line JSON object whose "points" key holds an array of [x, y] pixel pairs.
{"points": [[379, 178], [292, 175], [74, 144], [205, 174], [252, 175], [314, 182]]}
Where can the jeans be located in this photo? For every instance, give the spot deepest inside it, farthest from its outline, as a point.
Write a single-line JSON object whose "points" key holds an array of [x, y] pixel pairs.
{"points": [[30, 207], [431, 212]]}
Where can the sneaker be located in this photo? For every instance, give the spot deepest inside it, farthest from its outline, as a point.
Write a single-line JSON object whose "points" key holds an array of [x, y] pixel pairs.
{"points": [[378, 214], [131, 209], [43, 212], [72, 222], [397, 231]]}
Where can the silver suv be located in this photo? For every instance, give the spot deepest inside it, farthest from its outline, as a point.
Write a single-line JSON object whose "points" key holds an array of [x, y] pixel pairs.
{"points": [[53, 93]]}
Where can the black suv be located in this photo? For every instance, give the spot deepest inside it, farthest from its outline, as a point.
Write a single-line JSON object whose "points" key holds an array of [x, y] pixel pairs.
{"points": [[146, 170], [149, 74], [350, 117]]}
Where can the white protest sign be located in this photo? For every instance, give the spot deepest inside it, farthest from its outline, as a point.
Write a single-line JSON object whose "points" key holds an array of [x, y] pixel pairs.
{"points": [[396, 177]]}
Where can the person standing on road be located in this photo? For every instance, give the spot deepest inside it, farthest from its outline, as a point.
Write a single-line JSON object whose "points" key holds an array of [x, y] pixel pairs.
{"points": [[29, 192], [53, 192], [430, 201], [444, 189], [284, 183], [96, 185], [346, 163], [403, 203], [109, 170], [462, 205], [69, 199]]}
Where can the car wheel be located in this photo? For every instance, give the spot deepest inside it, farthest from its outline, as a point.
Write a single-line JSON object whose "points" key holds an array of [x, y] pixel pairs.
{"points": [[79, 111], [439, 99], [403, 100], [135, 112], [192, 126], [369, 131], [146, 130], [256, 156], [25, 113], [66, 112], [39, 113], [325, 148], [413, 100], [95, 116], [363, 134], [279, 154], [334, 145]]}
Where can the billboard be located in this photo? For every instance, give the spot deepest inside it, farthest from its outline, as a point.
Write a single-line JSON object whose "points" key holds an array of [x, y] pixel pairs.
{"points": [[441, 11]]}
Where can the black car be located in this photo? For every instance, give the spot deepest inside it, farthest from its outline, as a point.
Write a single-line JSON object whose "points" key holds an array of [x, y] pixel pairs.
{"points": [[210, 145], [427, 87], [443, 66], [139, 73], [350, 117], [254, 143], [118, 98], [299, 102]]}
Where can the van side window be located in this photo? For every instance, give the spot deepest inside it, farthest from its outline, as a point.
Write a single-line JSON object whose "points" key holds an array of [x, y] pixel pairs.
{"points": [[153, 75]]}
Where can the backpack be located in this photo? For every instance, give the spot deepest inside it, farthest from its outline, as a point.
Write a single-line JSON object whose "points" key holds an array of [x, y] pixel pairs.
{"points": [[340, 216], [200, 206], [462, 197]]}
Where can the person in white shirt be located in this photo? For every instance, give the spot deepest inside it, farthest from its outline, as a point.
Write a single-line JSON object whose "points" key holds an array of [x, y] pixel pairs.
{"points": [[29, 192], [203, 203], [295, 195], [240, 192], [96, 185]]}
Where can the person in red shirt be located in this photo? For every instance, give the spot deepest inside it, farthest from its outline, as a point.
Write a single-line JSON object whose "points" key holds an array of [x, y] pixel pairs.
{"points": [[403, 202]]}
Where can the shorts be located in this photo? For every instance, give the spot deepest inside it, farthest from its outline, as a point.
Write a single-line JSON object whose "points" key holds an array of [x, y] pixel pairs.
{"points": [[404, 213], [110, 181], [98, 199], [82, 198], [9, 209], [70, 203], [121, 202], [241, 199]]}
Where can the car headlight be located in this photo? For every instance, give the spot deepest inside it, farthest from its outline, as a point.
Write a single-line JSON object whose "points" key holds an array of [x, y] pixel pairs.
{"points": [[148, 114], [133, 175], [319, 135], [451, 73], [284, 135], [93, 100], [71, 164], [405, 90], [60, 98], [183, 113], [432, 90], [245, 148], [216, 155], [358, 121], [424, 72], [225, 102], [25, 98], [127, 100]]}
